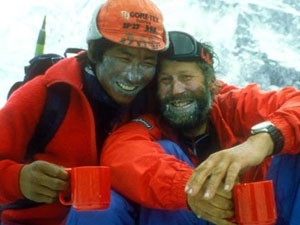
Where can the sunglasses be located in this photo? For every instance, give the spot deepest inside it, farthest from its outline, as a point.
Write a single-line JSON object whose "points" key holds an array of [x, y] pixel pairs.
{"points": [[185, 47]]}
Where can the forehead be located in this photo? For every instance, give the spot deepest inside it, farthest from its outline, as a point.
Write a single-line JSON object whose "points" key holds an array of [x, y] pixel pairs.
{"points": [[122, 49], [173, 67]]}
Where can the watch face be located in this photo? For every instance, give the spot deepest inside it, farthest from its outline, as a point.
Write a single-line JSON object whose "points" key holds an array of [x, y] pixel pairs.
{"points": [[261, 125]]}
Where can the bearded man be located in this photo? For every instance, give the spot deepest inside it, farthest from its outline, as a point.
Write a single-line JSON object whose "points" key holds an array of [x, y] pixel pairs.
{"points": [[216, 133]]}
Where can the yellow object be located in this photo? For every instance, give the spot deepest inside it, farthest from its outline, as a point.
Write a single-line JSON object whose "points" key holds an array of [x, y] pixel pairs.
{"points": [[40, 44]]}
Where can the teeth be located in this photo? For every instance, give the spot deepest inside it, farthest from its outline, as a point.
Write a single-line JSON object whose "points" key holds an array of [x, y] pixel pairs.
{"points": [[180, 103], [126, 87]]}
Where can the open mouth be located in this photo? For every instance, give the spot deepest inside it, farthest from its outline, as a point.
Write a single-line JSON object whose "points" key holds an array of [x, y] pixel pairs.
{"points": [[181, 103], [125, 87]]}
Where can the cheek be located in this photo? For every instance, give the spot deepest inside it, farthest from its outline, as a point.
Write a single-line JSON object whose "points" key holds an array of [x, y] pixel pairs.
{"points": [[148, 74], [162, 90], [115, 68], [195, 85], [112, 66]]}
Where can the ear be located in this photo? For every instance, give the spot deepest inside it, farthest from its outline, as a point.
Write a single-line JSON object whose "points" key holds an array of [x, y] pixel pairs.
{"points": [[91, 57], [90, 52]]}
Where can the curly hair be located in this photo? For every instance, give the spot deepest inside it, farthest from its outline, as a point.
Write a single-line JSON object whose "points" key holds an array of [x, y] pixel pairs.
{"points": [[205, 60], [208, 67]]}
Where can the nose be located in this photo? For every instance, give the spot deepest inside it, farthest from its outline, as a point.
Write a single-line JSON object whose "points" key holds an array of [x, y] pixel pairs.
{"points": [[134, 74], [177, 87]]}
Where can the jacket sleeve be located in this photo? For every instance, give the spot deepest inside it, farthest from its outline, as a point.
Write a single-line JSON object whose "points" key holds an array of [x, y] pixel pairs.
{"points": [[141, 170], [245, 107], [18, 119]]}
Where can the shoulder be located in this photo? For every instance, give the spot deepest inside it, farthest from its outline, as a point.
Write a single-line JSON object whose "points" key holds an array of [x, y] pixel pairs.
{"points": [[67, 70], [148, 121], [144, 126]]}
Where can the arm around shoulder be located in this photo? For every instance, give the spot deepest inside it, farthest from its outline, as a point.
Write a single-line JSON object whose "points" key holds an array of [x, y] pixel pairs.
{"points": [[141, 170]]}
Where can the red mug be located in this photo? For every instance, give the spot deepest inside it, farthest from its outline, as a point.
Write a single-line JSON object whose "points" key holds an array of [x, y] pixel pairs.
{"points": [[89, 188], [255, 203]]}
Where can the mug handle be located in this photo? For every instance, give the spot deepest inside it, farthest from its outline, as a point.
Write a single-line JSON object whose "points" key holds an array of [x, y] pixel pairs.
{"points": [[65, 197]]}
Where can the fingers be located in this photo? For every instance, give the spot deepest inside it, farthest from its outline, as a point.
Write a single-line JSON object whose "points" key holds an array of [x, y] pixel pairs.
{"points": [[216, 179], [221, 205], [232, 176], [51, 170], [217, 210], [196, 181], [223, 166], [42, 195], [215, 220], [223, 193], [48, 175], [41, 181], [200, 175], [51, 183], [211, 172], [207, 211]]}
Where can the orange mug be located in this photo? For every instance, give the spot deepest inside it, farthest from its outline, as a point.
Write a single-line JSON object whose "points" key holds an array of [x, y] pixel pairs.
{"points": [[254, 203], [89, 188]]}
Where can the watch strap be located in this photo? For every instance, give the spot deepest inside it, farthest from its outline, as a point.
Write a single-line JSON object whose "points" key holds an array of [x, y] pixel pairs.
{"points": [[277, 139], [273, 131]]}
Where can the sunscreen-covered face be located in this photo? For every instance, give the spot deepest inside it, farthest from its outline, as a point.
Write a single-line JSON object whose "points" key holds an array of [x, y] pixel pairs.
{"points": [[184, 96], [125, 71]]}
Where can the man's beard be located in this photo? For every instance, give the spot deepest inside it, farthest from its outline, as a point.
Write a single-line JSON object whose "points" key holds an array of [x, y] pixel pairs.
{"points": [[189, 117]]}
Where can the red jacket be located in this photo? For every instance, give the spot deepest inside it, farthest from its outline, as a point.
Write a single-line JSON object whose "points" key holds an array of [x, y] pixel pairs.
{"points": [[70, 146], [145, 174]]}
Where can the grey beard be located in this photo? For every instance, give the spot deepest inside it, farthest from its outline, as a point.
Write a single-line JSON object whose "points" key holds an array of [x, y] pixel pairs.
{"points": [[190, 120]]}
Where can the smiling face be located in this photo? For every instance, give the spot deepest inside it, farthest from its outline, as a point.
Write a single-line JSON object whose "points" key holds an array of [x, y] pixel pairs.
{"points": [[184, 94], [125, 71]]}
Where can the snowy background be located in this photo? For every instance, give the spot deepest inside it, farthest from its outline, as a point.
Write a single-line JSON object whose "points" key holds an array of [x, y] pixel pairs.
{"points": [[256, 40]]}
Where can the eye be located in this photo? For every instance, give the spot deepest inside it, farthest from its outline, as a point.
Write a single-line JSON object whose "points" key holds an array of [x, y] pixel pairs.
{"points": [[186, 77], [165, 80], [149, 63], [123, 58]]}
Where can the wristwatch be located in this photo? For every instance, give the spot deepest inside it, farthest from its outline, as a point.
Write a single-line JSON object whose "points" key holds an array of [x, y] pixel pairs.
{"points": [[268, 127]]}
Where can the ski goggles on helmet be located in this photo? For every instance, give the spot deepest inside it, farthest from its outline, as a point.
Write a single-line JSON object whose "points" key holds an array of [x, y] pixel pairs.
{"points": [[184, 47]]}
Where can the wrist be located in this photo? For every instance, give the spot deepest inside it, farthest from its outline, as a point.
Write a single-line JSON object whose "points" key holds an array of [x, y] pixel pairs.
{"points": [[263, 142], [273, 133]]}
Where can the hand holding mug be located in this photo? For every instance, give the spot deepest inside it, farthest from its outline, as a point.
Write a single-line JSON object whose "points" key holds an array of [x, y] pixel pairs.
{"points": [[41, 181]]}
